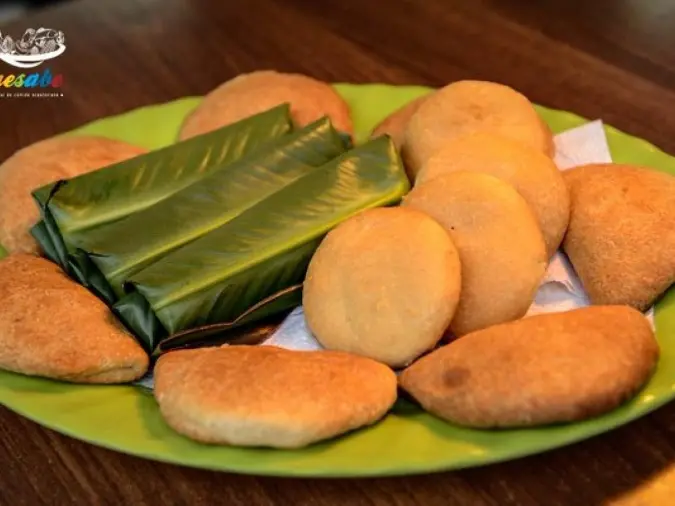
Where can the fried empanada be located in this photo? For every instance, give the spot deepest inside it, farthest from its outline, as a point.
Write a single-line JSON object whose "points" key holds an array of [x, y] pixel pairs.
{"points": [[271, 397], [249, 94], [621, 235], [52, 327], [549, 368], [395, 124], [45, 162]]}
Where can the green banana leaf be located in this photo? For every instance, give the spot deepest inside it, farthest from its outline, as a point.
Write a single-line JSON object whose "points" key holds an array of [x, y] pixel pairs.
{"points": [[124, 247], [252, 326], [41, 234], [113, 192], [251, 267]]}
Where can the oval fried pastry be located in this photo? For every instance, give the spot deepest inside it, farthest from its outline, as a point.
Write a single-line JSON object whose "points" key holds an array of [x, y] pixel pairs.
{"points": [[269, 396], [253, 93], [383, 284], [42, 163], [52, 327], [501, 247], [532, 173], [621, 235], [464, 107], [19, 271], [555, 367]]}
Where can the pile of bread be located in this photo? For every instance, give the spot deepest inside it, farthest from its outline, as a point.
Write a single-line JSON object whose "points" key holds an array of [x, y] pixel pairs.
{"points": [[435, 289]]}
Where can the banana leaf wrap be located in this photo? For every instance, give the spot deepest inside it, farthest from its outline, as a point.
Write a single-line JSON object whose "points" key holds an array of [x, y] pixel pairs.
{"points": [[253, 266], [122, 248], [113, 192], [41, 234]]}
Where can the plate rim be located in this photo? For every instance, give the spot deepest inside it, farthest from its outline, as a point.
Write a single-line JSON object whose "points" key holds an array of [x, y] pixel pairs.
{"points": [[362, 471]]}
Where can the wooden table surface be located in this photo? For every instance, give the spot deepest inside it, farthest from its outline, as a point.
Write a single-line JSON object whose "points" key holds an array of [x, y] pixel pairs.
{"points": [[613, 59]]}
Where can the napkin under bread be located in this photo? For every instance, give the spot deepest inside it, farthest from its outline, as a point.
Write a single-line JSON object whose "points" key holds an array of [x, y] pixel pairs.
{"points": [[561, 289]]}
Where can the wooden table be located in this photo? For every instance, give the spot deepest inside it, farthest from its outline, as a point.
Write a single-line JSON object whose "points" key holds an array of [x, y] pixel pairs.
{"points": [[614, 60]]}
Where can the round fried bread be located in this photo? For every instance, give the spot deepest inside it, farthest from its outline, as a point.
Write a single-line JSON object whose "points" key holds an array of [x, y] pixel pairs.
{"points": [[256, 92], [621, 235], [269, 396], [51, 326], [555, 367], [532, 173], [464, 107], [45, 162], [501, 247], [383, 284]]}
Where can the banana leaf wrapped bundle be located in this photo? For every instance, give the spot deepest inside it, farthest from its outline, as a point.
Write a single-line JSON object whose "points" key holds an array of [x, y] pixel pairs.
{"points": [[116, 251], [72, 206], [253, 266]]}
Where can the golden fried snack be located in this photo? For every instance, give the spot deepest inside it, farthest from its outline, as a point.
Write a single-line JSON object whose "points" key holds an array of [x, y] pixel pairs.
{"points": [[383, 284], [394, 125], [21, 270], [464, 107], [501, 247], [532, 173], [269, 396], [42, 163], [249, 94], [52, 327], [555, 367], [621, 235]]}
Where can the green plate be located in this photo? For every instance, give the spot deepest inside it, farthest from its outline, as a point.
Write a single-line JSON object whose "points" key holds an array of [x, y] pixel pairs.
{"points": [[126, 418]]}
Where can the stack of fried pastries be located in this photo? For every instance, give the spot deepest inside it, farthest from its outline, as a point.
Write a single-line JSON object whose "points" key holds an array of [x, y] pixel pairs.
{"points": [[436, 289]]}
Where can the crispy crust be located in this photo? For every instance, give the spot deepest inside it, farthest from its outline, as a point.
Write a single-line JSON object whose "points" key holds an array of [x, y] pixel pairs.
{"points": [[501, 247], [621, 235], [532, 173], [384, 284], [544, 369], [268, 396], [52, 327], [42, 163], [249, 94]]}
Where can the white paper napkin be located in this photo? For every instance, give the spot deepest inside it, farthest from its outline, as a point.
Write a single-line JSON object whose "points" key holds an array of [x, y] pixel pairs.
{"points": [[294, 334], [561, 289], [582, 145]]}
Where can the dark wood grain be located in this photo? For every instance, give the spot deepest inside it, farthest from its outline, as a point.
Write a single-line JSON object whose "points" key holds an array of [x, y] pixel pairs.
{"points": [[614, 60]]}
